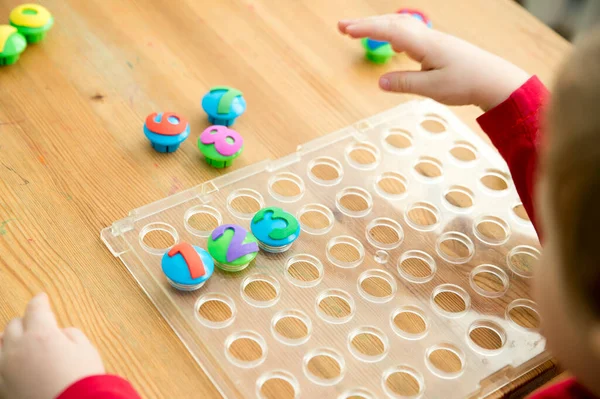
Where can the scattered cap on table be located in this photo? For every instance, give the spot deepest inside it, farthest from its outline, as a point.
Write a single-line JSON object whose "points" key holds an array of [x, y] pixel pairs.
{"points": [[187, 267], [223, 105], [12, 44], [32, 21], [416, 14], [220, 145], [232, 247], [377, 51], [166, 131], [275, 229]]}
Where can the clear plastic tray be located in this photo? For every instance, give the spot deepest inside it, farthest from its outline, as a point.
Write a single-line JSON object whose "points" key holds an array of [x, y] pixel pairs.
{"points": [[412, 271]]}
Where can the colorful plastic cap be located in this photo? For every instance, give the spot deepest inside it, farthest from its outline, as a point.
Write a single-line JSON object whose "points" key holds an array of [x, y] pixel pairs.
{"points": [[32, 21], [220, 145], [12, 44], [187, 265], [166, 131], [232, 244], [223, 104], [275, 227], [377, 51]]}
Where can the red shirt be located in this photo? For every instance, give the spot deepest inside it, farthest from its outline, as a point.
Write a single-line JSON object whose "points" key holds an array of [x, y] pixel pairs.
{"points": [[100, 387], [514, 128]]}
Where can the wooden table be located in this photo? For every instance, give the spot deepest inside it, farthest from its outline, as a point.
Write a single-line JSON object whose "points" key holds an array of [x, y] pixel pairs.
{"points": [[73, 158]]}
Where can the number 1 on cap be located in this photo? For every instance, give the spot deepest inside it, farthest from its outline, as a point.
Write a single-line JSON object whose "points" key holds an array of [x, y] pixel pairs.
{"points": [[191, 258]]}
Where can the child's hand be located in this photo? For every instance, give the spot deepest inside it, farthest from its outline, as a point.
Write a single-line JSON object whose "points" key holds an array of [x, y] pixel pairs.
{"points": [[453, 71], [38, 360]]}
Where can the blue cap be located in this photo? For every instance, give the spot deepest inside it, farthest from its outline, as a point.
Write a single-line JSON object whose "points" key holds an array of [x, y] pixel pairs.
{"points": [[275, 227], [179, 269], [167, 140], [375, 44], [224, 102]]}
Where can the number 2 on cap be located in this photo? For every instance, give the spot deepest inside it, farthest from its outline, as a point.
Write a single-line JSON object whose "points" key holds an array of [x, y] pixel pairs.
{"points": [[237, 248]]}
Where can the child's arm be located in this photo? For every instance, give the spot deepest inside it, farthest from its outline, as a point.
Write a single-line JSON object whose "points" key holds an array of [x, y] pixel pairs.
{"points": [[39, 360], [514, 128], [455, 72]]}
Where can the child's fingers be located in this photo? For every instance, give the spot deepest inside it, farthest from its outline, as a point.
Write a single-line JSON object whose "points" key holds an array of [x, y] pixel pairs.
{"points": [[405, 34], [13, 331], [75, 335], [344, 23], [424, 83], [39, 315], [382, 27]]}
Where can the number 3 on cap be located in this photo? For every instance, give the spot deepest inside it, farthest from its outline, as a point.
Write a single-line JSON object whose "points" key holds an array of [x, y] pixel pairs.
{"points": [[277, 213]]}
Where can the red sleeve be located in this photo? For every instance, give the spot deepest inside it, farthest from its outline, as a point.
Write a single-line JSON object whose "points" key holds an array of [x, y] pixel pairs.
{"points": [[514, 128], [567, 389], [100, 387]]}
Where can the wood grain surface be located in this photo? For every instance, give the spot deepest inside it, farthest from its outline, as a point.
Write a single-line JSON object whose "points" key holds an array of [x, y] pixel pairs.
{"points": [[73, 158]]}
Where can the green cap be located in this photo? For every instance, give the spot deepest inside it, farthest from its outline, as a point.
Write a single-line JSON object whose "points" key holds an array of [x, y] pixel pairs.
{"points": [[12, 43], [380, 54], [211, 153], [232, 245], [32, 21]]}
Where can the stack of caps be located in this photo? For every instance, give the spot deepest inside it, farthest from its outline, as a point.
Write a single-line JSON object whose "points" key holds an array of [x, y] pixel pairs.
{"points": [[275, 229], [232, 247]]}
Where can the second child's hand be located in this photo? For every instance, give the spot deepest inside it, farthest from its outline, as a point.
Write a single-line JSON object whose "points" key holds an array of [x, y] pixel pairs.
{"points": [[453, 71], [38, 360]]}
